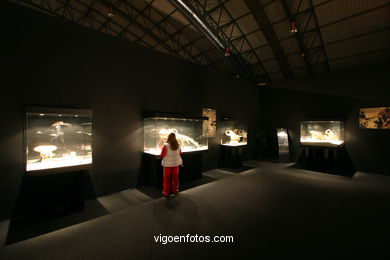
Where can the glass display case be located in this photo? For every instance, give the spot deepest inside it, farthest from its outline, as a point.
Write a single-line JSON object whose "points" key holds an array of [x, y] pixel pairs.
{"points": [[233, 133], [322, 133], [189, 133], [57, 138]]}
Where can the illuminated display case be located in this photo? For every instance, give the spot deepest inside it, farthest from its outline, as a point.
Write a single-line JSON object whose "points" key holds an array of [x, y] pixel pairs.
{"points": [[189, 133], [57, 138], [233, 133], [322, 133]]}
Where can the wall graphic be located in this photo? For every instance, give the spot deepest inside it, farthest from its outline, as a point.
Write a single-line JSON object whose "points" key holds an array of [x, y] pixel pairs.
{"points": [[210, 126], [375, 118]]}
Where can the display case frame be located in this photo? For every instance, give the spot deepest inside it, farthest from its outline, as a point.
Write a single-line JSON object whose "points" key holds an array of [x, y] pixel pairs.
{"points": [[60, 111], [330, 138], [153, 115], [238, 132]]}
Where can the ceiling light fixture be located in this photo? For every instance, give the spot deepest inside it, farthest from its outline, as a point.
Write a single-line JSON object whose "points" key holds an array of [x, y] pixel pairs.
{"points": [[110, 12], [293, 28], [227, 51]]}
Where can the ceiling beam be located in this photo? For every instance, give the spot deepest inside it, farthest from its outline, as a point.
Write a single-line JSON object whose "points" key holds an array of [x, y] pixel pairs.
{"points": [[299, 36], [177, 35], [269, 33], [320, 36], [144, 28], [196, 13]]}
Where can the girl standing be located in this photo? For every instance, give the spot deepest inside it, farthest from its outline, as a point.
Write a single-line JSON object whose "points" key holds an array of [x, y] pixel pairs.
{"points": [[171, 159]]}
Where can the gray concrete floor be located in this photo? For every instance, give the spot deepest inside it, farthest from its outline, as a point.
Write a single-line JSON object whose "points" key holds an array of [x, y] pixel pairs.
{"points": [[123, 200], [270, 210], [97, 208]]}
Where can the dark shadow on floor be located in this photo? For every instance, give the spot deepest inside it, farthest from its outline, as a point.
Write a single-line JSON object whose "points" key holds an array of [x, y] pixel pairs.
{"points": [[338, 172], [239, 170], [22, 229], [157, 193], [327, 160]]}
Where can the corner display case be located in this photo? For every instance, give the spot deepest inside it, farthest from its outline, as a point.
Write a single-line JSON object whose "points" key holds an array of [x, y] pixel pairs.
{"points": [[57, 138], [233, 143], [322, 133], [233, 133], [58, 154], [323, 148], [189, 133]]}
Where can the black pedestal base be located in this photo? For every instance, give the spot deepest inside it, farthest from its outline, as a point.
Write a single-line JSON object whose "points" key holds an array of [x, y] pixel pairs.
{"points": [[333, 160], [152, 171], [231, 156], [45, 197], [51, 195]]}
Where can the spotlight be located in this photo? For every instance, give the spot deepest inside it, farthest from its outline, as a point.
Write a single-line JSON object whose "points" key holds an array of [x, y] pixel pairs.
{"points": [[293, 28], [227, 51], [110, 13]]}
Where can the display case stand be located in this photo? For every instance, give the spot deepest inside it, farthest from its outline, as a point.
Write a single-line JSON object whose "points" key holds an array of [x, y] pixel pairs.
{"points": [[327, 159], [231, 156], [152, 170], [47, 196]]}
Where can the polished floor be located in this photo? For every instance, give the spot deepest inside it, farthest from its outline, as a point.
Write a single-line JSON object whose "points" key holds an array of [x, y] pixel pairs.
{"points": [[270, 211]]}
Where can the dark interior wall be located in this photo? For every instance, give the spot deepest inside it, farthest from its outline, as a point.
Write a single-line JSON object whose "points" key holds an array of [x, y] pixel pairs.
{"points": [[282, 107], [50, 62], [369, 82]]}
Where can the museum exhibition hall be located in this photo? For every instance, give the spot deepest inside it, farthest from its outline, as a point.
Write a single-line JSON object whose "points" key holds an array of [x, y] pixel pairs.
{"points": [[272, 117]]}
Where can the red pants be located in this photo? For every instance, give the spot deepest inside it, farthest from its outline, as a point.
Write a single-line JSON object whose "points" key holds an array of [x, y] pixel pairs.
{"points": [[168, 173]]}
